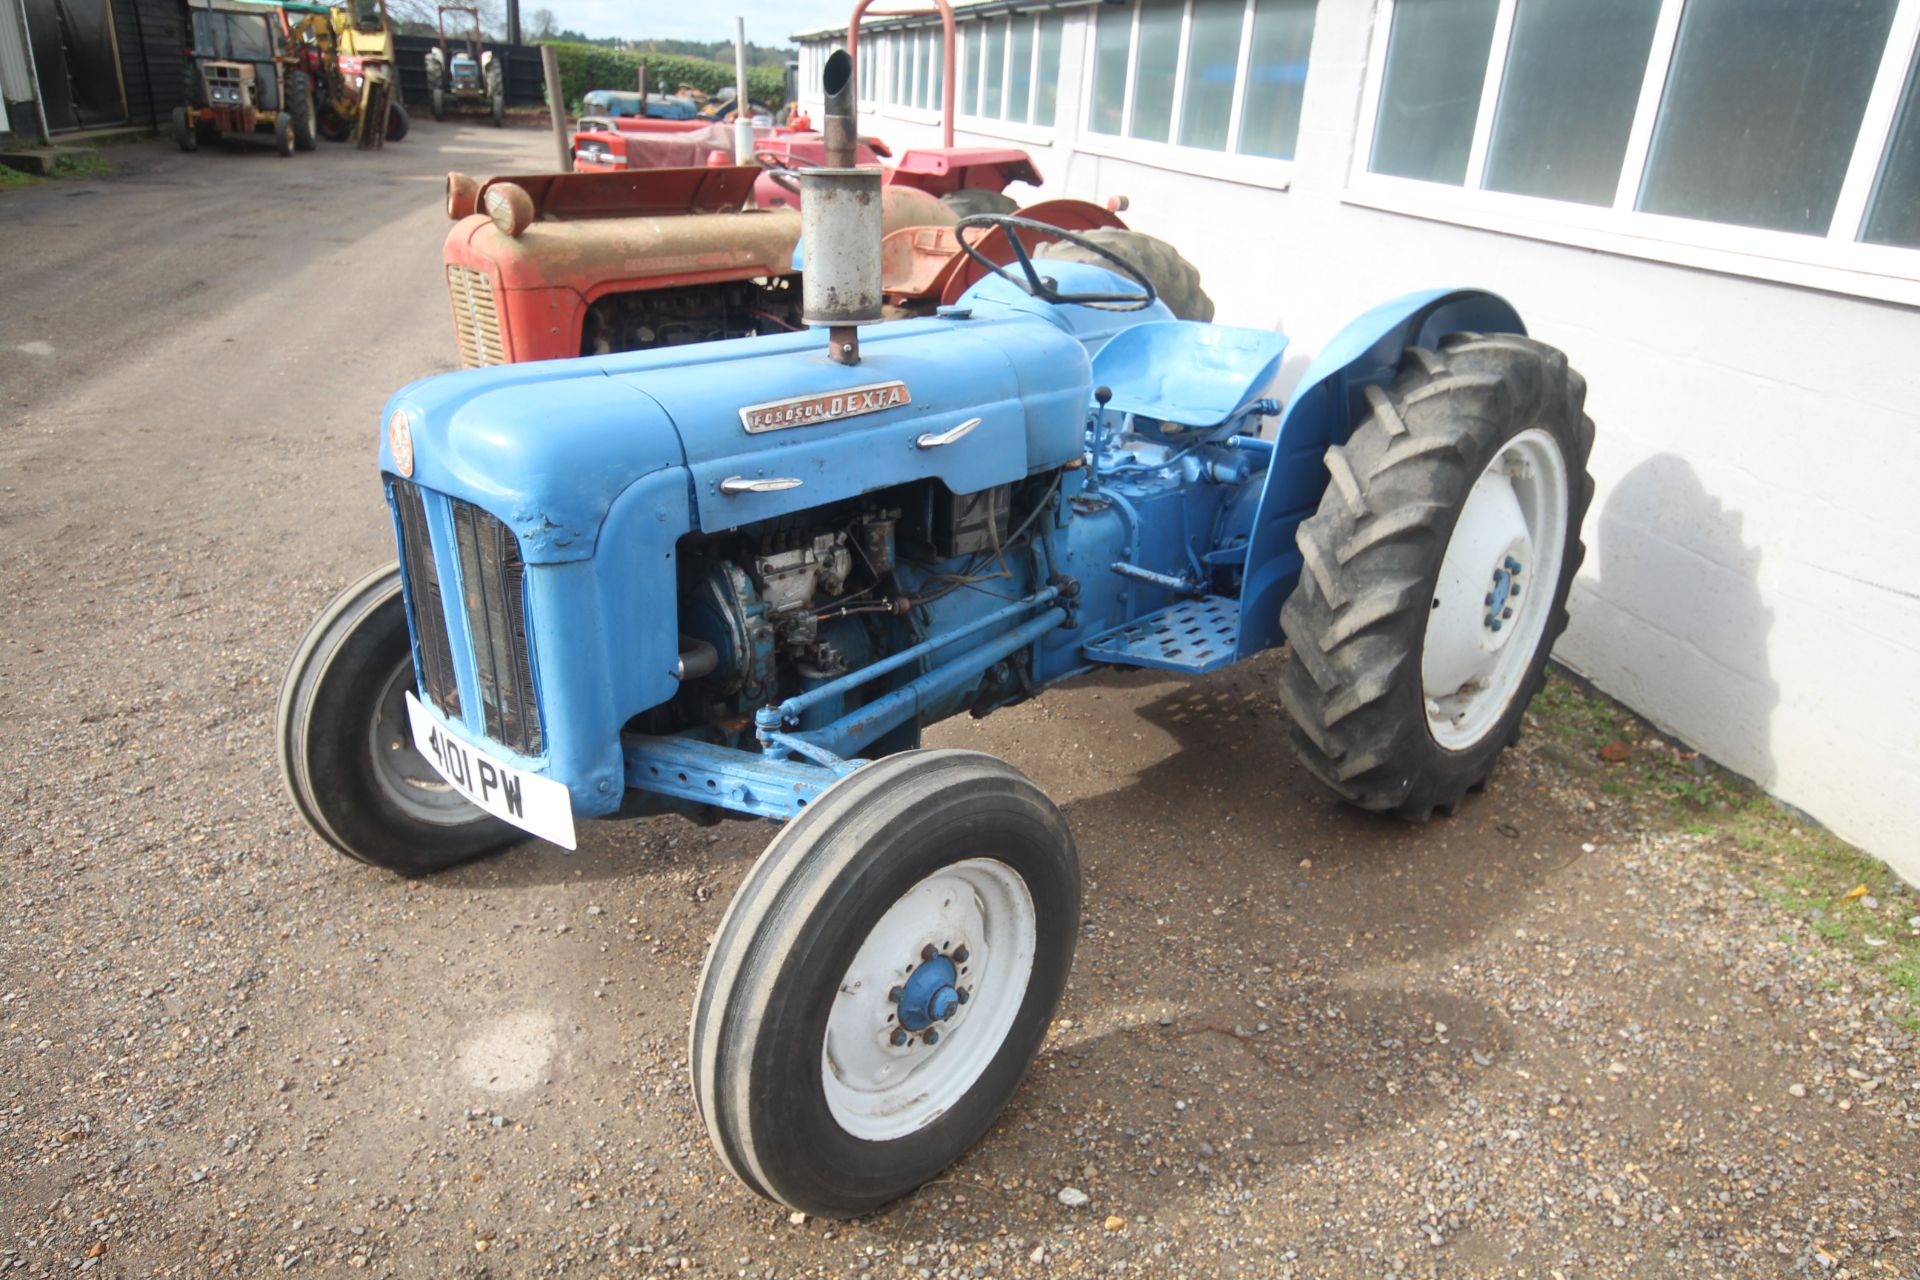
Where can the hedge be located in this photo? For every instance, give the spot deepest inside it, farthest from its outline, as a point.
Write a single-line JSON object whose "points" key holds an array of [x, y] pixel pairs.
{"points": [[586, 67]]}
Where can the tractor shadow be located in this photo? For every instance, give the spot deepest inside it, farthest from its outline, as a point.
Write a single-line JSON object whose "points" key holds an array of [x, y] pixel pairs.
{"points": [[1249, 984], [1678, 595]]}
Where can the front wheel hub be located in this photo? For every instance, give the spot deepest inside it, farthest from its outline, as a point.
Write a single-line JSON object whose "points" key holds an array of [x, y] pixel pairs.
{"points": [[930, 994]]}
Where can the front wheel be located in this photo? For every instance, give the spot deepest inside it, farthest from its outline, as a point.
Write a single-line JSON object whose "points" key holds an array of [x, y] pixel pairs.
{"points": [[346, 749], [300, 106], [283, 136], [883, 978], [1436, 572], [497, 94], [437, 102], [397, 121], [185, 136]]}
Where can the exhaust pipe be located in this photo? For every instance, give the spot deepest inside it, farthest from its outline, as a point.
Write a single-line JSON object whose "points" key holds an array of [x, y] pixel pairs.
{"points": [[840, 224]]}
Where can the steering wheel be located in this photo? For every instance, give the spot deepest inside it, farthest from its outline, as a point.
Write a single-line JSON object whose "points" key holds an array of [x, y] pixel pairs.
{"points": [[1044, 287], [783, 169]]}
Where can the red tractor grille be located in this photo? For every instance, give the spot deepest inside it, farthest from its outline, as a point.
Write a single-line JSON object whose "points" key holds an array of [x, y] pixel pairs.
{"points": [[476, 320]]}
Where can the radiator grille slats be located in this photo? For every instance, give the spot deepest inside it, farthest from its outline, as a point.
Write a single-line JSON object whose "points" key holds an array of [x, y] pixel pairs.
{"points": [[476, 321], [493, 593], [493, 583], [429, 613]]}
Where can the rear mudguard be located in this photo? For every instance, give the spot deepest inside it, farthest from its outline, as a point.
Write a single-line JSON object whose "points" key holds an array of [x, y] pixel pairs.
{"points": [[1328, 403]]}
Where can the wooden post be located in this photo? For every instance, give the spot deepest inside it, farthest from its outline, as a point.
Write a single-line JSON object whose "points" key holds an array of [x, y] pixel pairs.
{"points": [[643, 88], [556, 105]]}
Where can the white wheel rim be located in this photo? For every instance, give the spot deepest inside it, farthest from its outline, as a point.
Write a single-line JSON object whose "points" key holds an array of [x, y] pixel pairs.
{"points": [[1495, 590], [978, 917]]}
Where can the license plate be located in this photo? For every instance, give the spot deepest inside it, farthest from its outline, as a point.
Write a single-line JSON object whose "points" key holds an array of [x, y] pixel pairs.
{"points": [[527, 800]]}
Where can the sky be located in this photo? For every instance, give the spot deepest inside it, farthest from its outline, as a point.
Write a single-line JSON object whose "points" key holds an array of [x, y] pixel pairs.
{"points": [[768, 21]]}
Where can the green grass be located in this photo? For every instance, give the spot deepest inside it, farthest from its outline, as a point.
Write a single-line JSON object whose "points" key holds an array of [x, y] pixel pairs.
{"points": [[90, 164], [1808, 873]]}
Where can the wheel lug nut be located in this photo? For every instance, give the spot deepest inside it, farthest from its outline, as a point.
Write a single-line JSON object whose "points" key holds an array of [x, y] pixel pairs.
{"points": [[932, 1036], [959, 955], [1506, 613], [962, 994], [1489, 597], [894, 995], [1495, 624], [927, 952], [897, 1039]]}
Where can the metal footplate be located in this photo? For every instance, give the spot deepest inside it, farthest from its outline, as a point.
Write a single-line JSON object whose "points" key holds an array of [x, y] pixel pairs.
{"points": [[1193, 635]]}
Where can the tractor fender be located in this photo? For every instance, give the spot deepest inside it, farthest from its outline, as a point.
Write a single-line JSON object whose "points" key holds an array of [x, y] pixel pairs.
{"points": [[1329, 400]]}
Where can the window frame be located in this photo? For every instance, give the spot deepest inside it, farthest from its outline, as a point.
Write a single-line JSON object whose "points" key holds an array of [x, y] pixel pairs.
{"points": [[1228, 165], [1838, 261]]}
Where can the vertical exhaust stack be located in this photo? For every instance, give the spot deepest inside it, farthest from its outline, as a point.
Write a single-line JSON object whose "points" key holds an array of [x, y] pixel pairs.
{"points": [[840, 225]]}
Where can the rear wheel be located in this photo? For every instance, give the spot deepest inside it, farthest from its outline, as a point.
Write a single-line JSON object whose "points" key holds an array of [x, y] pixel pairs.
{"points": [[346, 750], [1436, 572], [971, 200], [497, 93], [437, 102], [883, 978], [300, 107], [1176, 280], [184, 134]]}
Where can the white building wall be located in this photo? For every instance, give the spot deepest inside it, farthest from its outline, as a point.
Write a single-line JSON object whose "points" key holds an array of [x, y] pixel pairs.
{"points": [[1752, 581]]}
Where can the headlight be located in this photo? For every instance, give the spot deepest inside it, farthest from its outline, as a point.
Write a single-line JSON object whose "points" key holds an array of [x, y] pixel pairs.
{"points": [[510, 207], [400, 442]]}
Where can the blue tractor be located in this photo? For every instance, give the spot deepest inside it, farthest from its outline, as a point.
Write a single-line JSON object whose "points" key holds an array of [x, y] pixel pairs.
{"points": [[739, 578]]}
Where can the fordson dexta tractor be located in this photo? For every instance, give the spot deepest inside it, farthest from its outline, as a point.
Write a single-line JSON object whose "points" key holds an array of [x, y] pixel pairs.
{"points": [[740, 578], [465, 74]]}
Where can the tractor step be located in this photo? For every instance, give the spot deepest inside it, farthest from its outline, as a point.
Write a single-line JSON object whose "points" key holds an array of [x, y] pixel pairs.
{"points": [[1193, 635]]}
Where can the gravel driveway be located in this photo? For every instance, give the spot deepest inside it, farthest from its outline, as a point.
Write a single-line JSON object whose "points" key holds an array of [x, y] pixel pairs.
{"points": [[1532, 1040]]}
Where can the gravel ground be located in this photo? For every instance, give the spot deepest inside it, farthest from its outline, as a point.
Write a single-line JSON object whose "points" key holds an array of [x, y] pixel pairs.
{"points": [[1540, 1039]]}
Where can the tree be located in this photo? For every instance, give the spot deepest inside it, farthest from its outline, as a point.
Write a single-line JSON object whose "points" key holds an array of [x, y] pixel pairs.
{"points": [[542, 24]]}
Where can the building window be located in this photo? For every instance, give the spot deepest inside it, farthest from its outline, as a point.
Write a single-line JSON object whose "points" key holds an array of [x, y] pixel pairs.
{"points": [[1789, 116], [1893, 218], [1009, 68], [1209, 75], [1567, 98], [1762, 107]]}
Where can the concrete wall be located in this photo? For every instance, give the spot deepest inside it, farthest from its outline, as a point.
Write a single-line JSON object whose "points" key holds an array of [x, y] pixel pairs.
{"points": [[1752, 582]]}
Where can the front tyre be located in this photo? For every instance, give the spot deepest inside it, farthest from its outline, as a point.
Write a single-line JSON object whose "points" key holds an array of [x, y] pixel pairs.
{"points": [[346, 749], [397, 121], [883, 978], [1436, 572]]}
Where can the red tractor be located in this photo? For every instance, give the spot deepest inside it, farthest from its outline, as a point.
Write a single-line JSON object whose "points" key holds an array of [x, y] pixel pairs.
{"points": [[682, 250]]}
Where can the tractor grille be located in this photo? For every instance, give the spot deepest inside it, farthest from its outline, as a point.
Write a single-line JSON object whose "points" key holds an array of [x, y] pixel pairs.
{"points": [[428, 609], [493, 582], [493, 596], [476, 321]]}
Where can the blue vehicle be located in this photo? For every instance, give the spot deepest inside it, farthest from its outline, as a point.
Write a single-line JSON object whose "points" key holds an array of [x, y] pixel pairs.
{"points": [[739, 579], [615, 103]]}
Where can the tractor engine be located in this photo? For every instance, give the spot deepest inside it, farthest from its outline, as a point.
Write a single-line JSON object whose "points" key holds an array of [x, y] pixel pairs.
{"points": [[776, 609]]}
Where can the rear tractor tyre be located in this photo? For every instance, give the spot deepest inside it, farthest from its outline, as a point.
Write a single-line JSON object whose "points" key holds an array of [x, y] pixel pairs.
{"points": [[184, 135], [1436, 573], [1176, 280], [397, 121], [497, 93], [306, 124], [883, 978], [283, 134], [971, 200], [346, 750]]}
